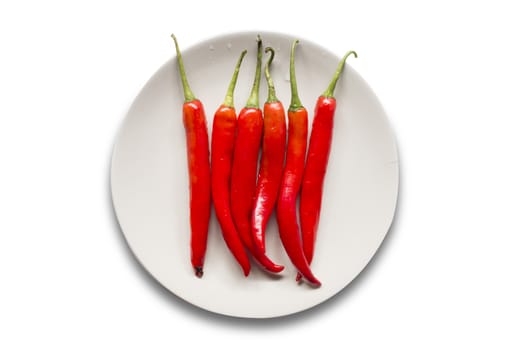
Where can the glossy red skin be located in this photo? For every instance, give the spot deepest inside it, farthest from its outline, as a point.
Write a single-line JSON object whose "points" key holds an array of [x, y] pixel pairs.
{"points": [[270, 170], [244, 170], [197, 147], [290, 186], [314, 172], [243, 179], [222, 144]]}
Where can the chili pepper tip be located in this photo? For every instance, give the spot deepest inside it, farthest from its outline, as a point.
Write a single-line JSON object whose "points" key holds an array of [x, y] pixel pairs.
{"points": [[198, 271], [299, 280]]}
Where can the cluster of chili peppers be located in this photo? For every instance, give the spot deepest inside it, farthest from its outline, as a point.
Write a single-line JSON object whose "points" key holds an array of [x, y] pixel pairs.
{"points": [[243, 197]]}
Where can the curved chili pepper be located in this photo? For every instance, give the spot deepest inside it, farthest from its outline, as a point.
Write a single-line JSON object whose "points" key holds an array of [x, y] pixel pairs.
{"points": [[291, 180], [316, 163], [272, 161], [198, 154], [222, 143], [244, 169]]}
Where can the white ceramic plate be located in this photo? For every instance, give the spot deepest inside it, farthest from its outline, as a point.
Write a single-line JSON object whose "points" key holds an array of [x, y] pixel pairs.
{"points": [[150, 187]]}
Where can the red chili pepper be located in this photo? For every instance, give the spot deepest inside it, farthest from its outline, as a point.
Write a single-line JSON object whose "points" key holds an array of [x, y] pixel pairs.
{"points": [[198, 155], [222, 142], [272, 161], [291, 180], [316, 163], [244, 169]]}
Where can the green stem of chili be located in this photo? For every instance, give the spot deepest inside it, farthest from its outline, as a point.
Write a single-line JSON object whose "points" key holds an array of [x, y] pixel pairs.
{"points": [[296, 102], [228, 100], [253, 100], [329, 92], [188, 94], [271, 87]]}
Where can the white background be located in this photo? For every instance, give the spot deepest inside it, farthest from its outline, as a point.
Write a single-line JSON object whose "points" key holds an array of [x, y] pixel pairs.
{"points": [[450, 274]]}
